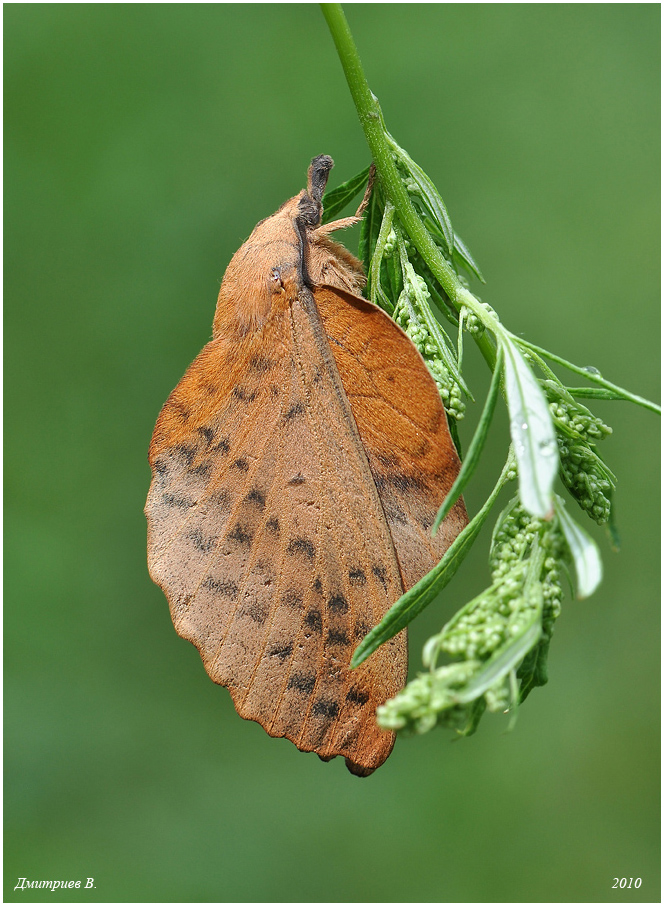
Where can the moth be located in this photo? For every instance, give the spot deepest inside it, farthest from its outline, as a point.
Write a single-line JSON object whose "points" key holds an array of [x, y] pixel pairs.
{"points": [[296, 472]]}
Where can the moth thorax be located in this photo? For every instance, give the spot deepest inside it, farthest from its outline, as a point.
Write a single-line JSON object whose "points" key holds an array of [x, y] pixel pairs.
{"points": [[330, 264]]}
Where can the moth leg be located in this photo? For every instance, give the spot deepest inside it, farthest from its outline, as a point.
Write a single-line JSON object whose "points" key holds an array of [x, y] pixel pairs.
{"points": [[340, 224], [368, 192], [345, 222]]}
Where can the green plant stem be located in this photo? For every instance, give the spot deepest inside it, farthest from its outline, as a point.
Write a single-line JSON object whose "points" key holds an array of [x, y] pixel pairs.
{"points": [[369, 113]]}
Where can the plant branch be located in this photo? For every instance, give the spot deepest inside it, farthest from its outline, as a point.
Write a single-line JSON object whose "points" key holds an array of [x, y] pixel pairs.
{"points": [[371, 119], [591, 374]]}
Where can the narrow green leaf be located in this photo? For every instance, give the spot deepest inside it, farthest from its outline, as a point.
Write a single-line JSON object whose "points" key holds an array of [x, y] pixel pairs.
{"points": [[336, 200], [427, 193], [377, 295], [433, 287], [475, 712], [583, 550], [594, 393], [613, 530], [532, 672], [432, 199], [592, 374], [419, 596], [531, 430], [461, 252], [391, 274], [476, 446], [460, 338], [369, 227], [454, 434]]}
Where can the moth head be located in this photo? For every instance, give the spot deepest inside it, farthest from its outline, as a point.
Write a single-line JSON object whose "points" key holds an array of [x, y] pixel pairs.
{"points": [[285, 253]]}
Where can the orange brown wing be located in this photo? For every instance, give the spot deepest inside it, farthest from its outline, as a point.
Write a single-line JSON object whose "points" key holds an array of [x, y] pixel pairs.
{"points": [[269, 539], [402, 424]]}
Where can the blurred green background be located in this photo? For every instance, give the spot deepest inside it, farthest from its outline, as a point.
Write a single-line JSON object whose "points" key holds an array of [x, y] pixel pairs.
{"points": [[142, 144]]}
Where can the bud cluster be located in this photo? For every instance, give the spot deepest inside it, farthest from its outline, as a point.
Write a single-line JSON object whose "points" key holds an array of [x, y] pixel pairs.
{"points": [[571, 416], [390, 246], [429, 700], [526, 588], [587, 478], [515, 535], [583, 472], [497, 615], [472, 324], [407, 317]]}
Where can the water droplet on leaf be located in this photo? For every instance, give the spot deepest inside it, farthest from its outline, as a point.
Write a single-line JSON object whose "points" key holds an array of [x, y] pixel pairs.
{"points": [[547, 448]]}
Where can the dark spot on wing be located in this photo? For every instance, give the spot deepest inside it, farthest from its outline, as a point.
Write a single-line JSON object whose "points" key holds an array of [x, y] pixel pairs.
{"points": [[261, 364], [296, 409], [380, 573], [360, 697], [222, 446], [303, 683], [301, 546], [187, 452], [181, 409], [281, 652], [273, 525], [337, 638], [221, 497], [241, 393], [325, 708], [172, 500], [361, 629], [292, 598], [203, 544], [225, 587], [313, 620], [241, 535], [207, 433], [338, 604], [357, 577], [274, 390], [297, 480], [394, 513], [317, 585], [255, 612], [241, 464], [203, 470], [257, 498], [404, 483], [160, 467], [390, 463]]}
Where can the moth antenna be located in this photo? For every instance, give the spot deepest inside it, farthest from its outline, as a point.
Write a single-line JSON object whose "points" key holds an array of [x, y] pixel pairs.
{"points": [[317, 176], [309, 206]]}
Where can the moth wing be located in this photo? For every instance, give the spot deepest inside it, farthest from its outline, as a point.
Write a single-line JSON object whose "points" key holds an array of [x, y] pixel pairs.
{"points": [[402, 424], [269, 539]]}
